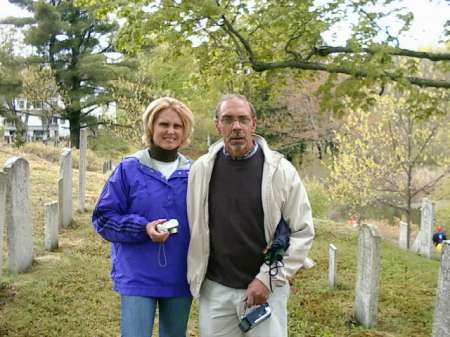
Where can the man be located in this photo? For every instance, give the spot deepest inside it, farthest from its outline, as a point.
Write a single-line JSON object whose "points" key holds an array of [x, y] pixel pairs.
{"points": [[237, 194]]}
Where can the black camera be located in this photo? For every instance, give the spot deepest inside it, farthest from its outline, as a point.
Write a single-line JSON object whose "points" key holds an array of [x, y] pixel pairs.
{"points": [[254, 317]]}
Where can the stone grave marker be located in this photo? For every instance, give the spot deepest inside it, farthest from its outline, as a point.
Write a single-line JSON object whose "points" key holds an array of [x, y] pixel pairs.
{"points": [[423, 245], [332, 266], [51, 225], [18, 215], [2, 216], [368, 274], [82, 164], [403, 235], [65, 188], [441, 322]]}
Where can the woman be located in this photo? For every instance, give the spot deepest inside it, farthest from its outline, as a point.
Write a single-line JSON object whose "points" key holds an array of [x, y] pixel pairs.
{"points": [[147, 189]]}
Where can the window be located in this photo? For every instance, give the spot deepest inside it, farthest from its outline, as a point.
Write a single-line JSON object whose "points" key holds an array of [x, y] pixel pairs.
{"points": [[20, 104], [37, 105]]}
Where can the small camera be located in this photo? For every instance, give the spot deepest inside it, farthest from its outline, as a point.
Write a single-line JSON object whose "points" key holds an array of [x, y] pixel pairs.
{"points": [[254, 317], [170, 226]]}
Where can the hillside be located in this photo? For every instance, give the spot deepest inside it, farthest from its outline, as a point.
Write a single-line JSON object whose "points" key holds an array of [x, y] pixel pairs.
{"points": [[68, 292]]}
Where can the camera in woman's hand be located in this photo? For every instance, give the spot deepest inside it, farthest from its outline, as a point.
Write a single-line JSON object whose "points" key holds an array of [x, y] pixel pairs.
{"points": [[170, 226]]}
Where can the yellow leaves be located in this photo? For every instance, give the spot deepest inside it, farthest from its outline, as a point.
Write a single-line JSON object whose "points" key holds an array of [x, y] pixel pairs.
{"points": [[378, 148]]}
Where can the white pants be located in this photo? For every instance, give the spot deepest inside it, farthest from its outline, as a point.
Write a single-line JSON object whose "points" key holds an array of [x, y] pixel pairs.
{"points": [[220, 309]]}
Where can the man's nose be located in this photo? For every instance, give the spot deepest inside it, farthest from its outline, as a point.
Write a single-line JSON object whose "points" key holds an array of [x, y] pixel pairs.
{"points": [[236, 124]]}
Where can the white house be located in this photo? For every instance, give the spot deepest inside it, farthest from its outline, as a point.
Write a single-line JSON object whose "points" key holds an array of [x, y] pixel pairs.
{"points": [[32, 113]]}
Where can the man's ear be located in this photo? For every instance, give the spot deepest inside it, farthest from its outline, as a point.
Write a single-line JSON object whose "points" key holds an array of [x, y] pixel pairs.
{"points": [[216, 124], [253, 124]]}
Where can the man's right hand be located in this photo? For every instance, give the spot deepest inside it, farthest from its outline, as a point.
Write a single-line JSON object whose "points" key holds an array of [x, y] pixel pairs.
{"points": [[257, 293], [154, 234]]}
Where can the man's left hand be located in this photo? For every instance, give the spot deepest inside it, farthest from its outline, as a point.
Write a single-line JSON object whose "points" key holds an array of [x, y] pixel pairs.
{"points": [[257, 293]]}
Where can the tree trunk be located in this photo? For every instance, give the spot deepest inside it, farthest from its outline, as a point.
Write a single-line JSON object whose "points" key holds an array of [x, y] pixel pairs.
{"points": [[74, 120], [408, 227]]}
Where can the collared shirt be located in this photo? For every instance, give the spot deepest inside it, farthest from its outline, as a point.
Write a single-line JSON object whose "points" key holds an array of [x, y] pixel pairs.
{"points": [[249, 154]]}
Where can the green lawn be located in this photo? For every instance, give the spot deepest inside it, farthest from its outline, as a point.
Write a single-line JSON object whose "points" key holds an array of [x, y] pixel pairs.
{"points": [[68, 292]]}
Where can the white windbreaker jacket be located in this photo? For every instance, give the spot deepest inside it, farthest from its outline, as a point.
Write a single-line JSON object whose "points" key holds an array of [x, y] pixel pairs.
{"points": [[283, 194]]}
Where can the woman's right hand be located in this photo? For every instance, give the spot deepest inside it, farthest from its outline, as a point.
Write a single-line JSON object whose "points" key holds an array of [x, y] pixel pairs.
{"points": [[154, 234]]}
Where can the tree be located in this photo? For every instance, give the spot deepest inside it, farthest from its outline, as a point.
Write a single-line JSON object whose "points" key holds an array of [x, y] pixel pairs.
{"points": [[73, 43], [294, 122], [159, 72], [275, 35], [39, 86], [382, 154], [11, 86]]}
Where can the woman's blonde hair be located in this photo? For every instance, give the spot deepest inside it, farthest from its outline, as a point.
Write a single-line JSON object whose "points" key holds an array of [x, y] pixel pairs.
{"points": [[153, 110]]}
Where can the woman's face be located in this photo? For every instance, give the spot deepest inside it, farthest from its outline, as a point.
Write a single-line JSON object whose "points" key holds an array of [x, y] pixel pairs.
{"points": [[168, 130]]}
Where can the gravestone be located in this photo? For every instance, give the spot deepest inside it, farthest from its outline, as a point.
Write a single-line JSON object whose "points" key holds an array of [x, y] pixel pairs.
{"points": [[18, 215], [65, 188], [368, 274], [403, 235], [51, 226], [107, 166], [2, 216], [332, 266], [441, 322], [82, 163], [423, 245]]}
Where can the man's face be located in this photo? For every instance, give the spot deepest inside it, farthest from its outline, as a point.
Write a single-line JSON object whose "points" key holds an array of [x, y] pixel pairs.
{"points": [[237, 126]]}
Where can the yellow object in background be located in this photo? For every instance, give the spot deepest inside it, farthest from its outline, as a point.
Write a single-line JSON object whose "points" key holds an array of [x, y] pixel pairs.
{"points": [[439, 247]]}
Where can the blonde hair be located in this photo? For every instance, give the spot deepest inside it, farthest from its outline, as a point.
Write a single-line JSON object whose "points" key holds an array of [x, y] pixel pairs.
{"points": [[154, 109]]}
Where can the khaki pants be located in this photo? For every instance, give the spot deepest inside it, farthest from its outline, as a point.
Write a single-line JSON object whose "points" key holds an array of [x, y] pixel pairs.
{"points": [[220, 309]]}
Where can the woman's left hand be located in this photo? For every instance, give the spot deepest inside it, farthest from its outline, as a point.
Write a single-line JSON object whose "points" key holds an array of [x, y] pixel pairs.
{"points": [[153, 233]]}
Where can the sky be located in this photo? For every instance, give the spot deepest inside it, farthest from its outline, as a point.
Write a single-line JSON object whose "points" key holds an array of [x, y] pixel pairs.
{"points": [[429, 18]]}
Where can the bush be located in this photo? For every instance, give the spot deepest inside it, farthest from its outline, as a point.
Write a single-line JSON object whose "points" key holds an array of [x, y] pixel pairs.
{"points": [[443, 216], [318, 197], [53, 154], [108, 145]]}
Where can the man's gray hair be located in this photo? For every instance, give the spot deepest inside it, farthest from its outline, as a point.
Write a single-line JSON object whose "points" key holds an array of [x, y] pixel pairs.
{"points": [[229, 97]]}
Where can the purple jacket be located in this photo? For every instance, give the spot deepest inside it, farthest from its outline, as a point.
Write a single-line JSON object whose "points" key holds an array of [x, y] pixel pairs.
{"points": [[134, 195]]}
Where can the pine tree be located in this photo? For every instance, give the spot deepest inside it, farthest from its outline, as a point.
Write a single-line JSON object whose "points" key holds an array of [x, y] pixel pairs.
{"points": [[74, 43]]}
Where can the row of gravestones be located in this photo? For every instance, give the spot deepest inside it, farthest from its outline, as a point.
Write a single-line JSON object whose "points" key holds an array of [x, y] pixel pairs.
{"points": [[367, 280], [15, 207]]}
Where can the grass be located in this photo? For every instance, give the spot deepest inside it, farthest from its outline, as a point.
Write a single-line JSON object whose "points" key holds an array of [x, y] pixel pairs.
{"points": [[68, 292]]}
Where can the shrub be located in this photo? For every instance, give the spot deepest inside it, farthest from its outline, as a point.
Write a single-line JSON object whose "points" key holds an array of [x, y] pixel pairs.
{"points": [[318, 197], [443, 216], [53, 154]]}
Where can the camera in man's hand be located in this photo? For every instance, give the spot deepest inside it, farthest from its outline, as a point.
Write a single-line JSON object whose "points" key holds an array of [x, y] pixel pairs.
{"points": [[254, 317], [170, 226]]}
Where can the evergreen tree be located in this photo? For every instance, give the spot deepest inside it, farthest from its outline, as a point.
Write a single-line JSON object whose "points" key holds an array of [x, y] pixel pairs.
{"points": [[74, 43]]}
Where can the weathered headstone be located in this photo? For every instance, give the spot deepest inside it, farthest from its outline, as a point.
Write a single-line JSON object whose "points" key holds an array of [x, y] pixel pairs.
{"points": [[332, 266], [403, 235], [107, 166], [18, 215], [51, 226], [2, 216], [82, 163], [368, 274], [441, 322], [65, 188], [423, 245]]}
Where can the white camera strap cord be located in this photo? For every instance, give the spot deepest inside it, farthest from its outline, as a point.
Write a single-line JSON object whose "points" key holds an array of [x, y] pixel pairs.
{"points": [[162, 253]]}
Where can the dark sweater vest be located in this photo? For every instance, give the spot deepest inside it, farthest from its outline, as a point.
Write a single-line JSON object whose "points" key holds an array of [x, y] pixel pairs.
{"points": [[236, 220]]}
